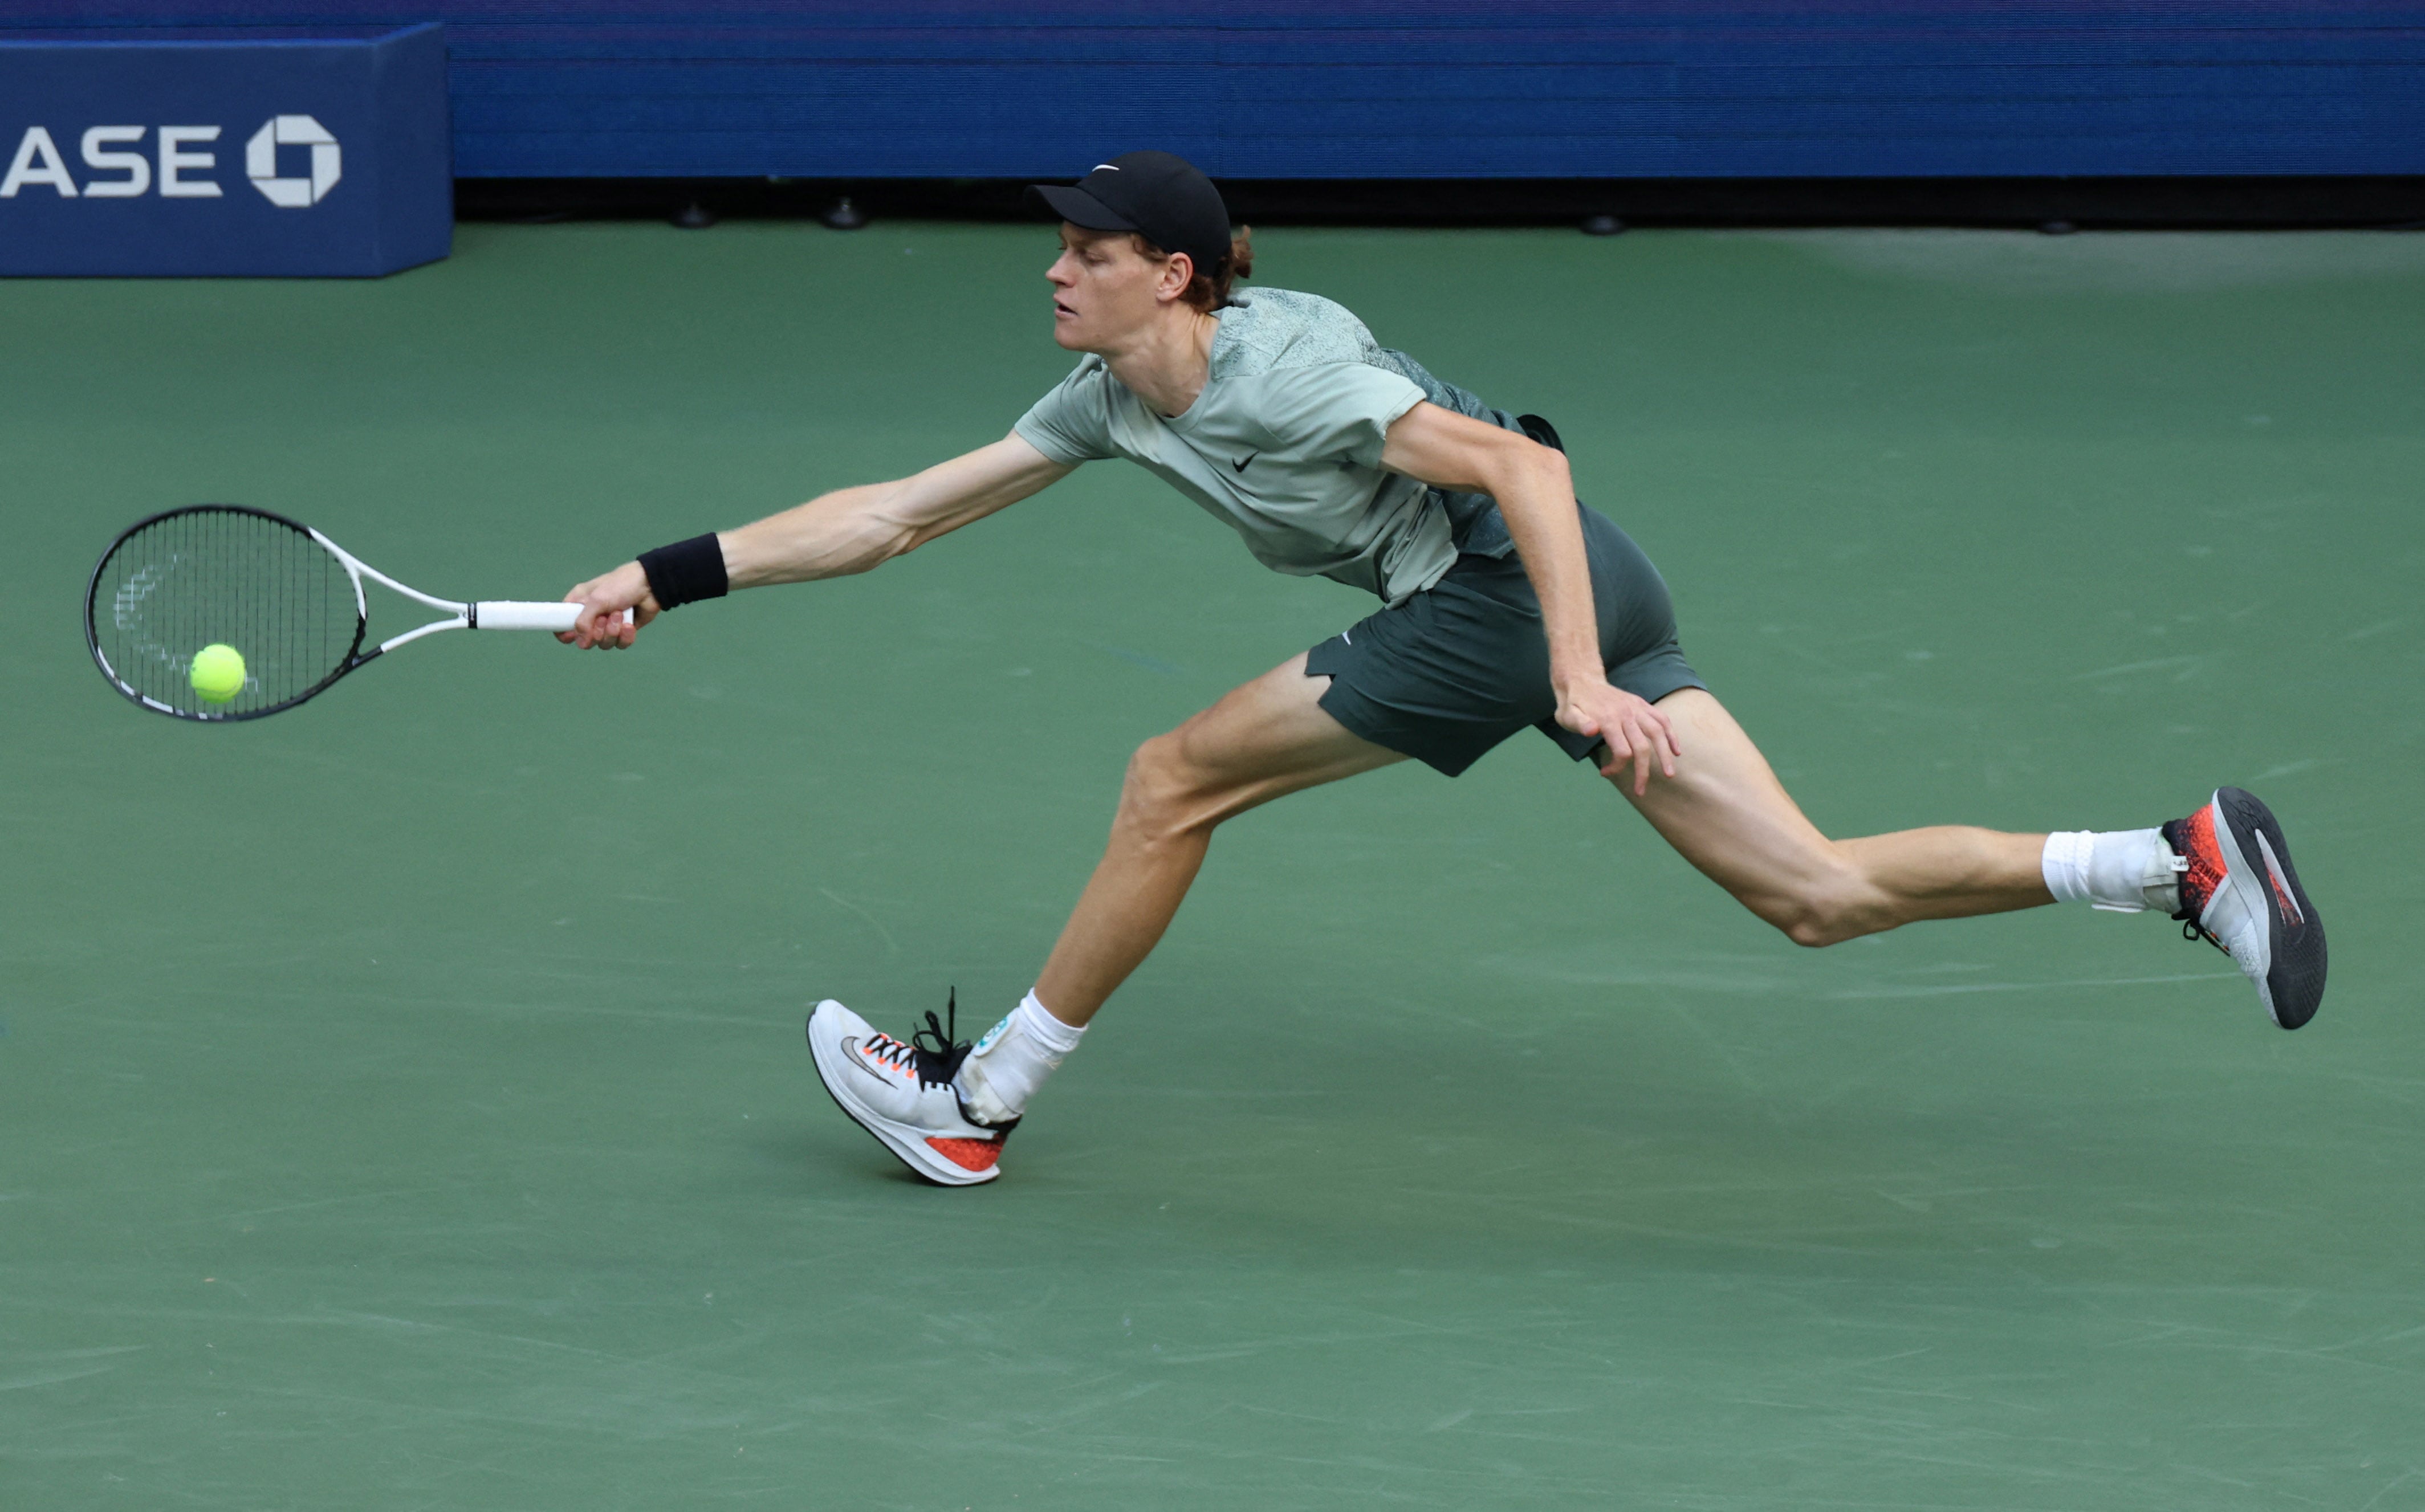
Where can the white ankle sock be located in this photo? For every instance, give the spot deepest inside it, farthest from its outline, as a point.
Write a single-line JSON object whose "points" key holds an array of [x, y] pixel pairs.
{"points": [[2124, 870], [1005, 1069]]}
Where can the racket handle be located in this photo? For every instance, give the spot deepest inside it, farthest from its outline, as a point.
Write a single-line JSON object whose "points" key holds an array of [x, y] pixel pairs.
{"points": [[509, 615]]}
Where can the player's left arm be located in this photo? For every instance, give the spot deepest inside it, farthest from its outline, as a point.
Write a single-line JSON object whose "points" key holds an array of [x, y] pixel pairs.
{"points": [[1537, 496]]}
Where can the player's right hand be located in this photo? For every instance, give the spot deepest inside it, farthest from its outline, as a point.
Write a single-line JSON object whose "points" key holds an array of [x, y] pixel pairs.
{"points": [[603, 599]]}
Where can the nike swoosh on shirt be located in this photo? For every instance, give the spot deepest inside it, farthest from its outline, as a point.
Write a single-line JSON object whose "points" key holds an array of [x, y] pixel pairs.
{"points": [[1240, 465]]}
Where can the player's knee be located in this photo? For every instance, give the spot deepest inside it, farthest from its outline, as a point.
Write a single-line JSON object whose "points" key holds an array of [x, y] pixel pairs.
{"points": [[1153, 776], [1163, 792]]}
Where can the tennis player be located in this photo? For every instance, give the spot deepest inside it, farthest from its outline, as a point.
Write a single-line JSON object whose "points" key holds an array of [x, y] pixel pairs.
{"points": [[1504, 606]]}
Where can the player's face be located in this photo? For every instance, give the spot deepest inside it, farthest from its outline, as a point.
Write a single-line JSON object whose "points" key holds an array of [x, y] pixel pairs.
{"points": [[1103, 289]]}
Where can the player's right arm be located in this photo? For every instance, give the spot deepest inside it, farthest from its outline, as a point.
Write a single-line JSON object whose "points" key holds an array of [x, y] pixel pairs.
{"points": [[850, 530]]}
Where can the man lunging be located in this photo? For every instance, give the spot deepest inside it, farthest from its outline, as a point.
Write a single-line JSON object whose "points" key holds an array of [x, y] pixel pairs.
{"points": [[1506, 604]]}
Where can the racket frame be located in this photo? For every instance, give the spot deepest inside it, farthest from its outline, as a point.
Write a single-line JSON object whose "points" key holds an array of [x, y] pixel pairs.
{"points": [[501, 614]]}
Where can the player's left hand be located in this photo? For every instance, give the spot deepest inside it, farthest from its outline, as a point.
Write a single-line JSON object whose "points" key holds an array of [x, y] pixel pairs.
{"points": [[1630, 729]]}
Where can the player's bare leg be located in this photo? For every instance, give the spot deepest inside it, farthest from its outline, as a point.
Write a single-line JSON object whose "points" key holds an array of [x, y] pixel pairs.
{"points": [[1263, 739], [945, 1107], [1726, 812], [2224, 871]]}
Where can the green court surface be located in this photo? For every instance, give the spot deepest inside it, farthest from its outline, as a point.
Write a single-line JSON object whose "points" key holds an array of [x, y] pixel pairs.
{"points": [[403, 1103]]}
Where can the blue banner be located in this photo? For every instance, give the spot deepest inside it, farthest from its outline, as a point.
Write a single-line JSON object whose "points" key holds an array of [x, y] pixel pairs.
{"points": [[1368, 88], [194, 153]]}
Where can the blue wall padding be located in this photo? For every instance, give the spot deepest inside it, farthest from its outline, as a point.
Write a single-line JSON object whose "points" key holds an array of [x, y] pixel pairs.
{"points": [[1259, 88], [299, 155]]}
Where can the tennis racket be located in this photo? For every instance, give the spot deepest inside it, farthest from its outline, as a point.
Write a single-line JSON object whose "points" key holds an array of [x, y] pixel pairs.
{"points": [[285, 597]]}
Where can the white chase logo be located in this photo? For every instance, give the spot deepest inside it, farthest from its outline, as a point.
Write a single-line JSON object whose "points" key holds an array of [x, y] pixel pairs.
{"points": [[181, 171]]}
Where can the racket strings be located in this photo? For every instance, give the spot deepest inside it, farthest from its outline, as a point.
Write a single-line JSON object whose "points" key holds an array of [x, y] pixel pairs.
{"points": [[220, 576]]}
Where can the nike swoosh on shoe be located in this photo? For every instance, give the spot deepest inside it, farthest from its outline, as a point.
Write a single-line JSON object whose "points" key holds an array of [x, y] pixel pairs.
{"points": [[2282, 899], [2288, 945], [851, 1054]]}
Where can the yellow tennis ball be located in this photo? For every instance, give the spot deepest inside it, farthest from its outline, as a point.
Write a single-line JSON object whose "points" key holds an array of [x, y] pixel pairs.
{"points": [[218, 672]]}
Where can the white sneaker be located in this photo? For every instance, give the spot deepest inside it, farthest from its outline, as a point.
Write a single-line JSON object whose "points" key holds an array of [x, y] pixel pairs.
{"points": [[2240, 894], [901, 1092]]}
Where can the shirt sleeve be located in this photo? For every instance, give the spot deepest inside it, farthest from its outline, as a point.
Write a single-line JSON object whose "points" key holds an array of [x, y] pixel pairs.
{"points": [[1073, 422], [1336, 409]]}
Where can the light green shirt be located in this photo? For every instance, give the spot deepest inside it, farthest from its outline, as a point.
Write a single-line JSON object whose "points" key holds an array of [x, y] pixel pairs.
{"points": [[1284, 443]]}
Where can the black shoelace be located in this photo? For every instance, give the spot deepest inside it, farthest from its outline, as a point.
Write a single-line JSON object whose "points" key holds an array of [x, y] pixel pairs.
{"points": [[2186, 919], [937, 1050]]}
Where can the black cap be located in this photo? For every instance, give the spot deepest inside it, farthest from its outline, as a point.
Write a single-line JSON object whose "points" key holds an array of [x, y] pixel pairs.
{"points": [[1156, 194]]}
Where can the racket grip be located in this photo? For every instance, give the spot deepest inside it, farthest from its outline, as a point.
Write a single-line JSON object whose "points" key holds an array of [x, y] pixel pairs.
{"points": [[509, 615]]}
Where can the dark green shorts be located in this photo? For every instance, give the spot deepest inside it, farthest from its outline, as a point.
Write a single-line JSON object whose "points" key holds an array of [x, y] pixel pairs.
{"points": [[1462, 665]]}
